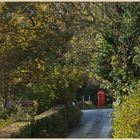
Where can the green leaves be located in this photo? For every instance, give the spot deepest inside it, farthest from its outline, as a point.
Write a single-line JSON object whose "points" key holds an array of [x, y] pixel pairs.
{"points": [[136, 59], [117, 61], [127, 121], [48, 48], [36, 42]]}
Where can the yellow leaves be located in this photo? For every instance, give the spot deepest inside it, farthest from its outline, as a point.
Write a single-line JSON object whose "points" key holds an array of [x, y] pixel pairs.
{"points": [[2, 4], [43, 7], [20, 19], [17, 19], [24, 71], [113, 59], [41, 66], [127, 117], [16, 80], [56, 71]]}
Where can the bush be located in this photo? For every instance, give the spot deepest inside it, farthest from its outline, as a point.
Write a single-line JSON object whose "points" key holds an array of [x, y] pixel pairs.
{"points": [[47, 126], [25, 113], [7, 113], [24, 132], [88, 105], [57, 125], [17, 129], [4, 123], [72, 115], [127, 117], [17, 112]]}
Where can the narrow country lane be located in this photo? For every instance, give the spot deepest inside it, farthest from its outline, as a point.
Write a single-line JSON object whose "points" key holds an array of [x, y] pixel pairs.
{"points": [[93, 124]]}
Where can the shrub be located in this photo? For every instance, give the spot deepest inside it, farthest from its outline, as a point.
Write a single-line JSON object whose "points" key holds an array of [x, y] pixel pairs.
{"points": [[47, 126], [24, 132], [57, 124], [4, 123], [7, 112], [27, 113], [72, 115], [88, 105], [17, 129], [127, 117]]}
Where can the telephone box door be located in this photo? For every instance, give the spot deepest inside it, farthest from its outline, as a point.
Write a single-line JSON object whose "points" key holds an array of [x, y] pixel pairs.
{"points": [[101, 99]]}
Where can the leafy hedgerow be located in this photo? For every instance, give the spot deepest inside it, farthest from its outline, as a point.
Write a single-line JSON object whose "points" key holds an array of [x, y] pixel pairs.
{"points": [[127, 117], [57, 125]]}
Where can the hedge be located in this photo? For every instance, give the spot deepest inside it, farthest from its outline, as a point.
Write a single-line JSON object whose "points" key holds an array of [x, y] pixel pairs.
{"points": [[15, 129], [57, 125], [51, 124], [127, 117]]}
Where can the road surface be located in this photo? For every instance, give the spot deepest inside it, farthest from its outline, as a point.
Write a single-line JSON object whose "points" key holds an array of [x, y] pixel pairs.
{"points": [[93, 124]]}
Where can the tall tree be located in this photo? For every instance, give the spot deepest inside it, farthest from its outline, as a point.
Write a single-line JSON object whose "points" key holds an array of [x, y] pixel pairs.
{"points": [[117, 42], [45, 34]]}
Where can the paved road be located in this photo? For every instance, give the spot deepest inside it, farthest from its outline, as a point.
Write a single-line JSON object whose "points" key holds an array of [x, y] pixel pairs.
{"points": [[93, 124]]}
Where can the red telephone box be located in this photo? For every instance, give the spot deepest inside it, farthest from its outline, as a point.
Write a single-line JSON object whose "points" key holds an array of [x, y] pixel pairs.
{"points": [[101, 98]]}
